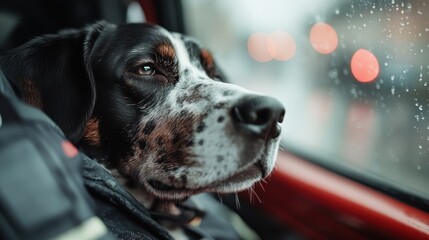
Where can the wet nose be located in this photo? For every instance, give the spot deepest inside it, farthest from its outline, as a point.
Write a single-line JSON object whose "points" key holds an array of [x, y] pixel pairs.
{"points": [[260, 115]]}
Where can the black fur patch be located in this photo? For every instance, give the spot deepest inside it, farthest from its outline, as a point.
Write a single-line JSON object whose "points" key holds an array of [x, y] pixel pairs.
{"points": [[201, 127], [150, 126], [142, 144]]}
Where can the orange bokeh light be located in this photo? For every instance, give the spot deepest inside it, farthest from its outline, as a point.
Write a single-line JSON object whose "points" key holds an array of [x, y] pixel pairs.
{"points": [[278, 45], [257, 47], [281, 46], [364, 65], [323, 38]]}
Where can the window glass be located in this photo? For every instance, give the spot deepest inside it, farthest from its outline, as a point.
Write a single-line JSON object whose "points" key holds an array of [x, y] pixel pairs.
{"points": [[353, 76]]}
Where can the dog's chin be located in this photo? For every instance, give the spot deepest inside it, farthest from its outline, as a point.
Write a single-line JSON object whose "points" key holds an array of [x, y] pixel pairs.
{"points": [[161, 189], [236, 182]]}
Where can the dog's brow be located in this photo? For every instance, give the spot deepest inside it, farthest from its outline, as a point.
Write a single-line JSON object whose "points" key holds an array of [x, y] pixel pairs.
{"points": [[166, 51], [166, 56]]}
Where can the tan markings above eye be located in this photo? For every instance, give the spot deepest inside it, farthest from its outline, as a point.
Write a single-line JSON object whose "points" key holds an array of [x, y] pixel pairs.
{"points": [[166, 51]]}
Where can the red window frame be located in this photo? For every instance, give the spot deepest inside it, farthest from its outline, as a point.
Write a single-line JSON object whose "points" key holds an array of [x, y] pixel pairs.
{"points": [[322, 204]]}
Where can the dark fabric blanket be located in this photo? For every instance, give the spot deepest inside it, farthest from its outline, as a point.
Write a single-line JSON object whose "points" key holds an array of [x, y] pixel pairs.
{"points": [[124, 216]]}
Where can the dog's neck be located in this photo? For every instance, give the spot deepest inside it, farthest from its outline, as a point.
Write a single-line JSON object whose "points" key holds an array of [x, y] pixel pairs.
{"points": [[148, 201], [151, 203], [137, 192]]}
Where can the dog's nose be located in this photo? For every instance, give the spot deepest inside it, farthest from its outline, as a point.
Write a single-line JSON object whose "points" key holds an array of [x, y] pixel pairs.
{"points": [[259, 115]]}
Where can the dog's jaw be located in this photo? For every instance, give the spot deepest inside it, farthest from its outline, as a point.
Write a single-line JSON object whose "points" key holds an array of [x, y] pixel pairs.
{"points": [[236, 180]]}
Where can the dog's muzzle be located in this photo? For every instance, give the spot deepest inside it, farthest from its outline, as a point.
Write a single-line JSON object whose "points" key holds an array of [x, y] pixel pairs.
{"points": [[259, 115]]}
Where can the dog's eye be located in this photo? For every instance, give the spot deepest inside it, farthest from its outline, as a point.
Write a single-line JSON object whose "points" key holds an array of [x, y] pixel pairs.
{"points": [[143, 70]]}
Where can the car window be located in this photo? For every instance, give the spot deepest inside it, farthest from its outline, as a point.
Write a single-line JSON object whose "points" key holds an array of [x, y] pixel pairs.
{"points": [[353, 76]]}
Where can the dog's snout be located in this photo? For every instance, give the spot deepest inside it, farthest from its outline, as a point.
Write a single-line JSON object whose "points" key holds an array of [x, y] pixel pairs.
{"points": [[259, 115]]}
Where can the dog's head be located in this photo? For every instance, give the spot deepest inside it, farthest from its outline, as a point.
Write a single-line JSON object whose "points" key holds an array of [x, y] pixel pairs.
{"points": [[152, 104]]}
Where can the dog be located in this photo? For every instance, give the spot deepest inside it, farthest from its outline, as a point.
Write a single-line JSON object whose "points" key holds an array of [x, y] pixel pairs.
{"points": [[152, 106]]}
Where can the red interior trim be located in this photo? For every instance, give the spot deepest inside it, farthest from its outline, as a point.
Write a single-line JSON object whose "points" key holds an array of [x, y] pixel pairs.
{"points": [[149, 9], [322, 204]]}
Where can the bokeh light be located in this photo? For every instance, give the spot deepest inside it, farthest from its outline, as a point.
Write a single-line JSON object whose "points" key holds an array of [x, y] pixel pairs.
{"points": [[364, 65], [281, 46], [323, 38], [257, 47]]}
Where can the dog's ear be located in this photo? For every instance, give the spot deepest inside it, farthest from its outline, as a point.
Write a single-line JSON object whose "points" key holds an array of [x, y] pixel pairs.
{"points": [[53, 73], [209, 64]]}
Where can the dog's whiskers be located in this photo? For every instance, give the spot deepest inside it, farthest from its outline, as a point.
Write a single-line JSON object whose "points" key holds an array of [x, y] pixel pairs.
{"points": [[282, 147], [275, 167], [237, 201], [250, 195], [219, 196], [262, 187], [256, 195]]}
